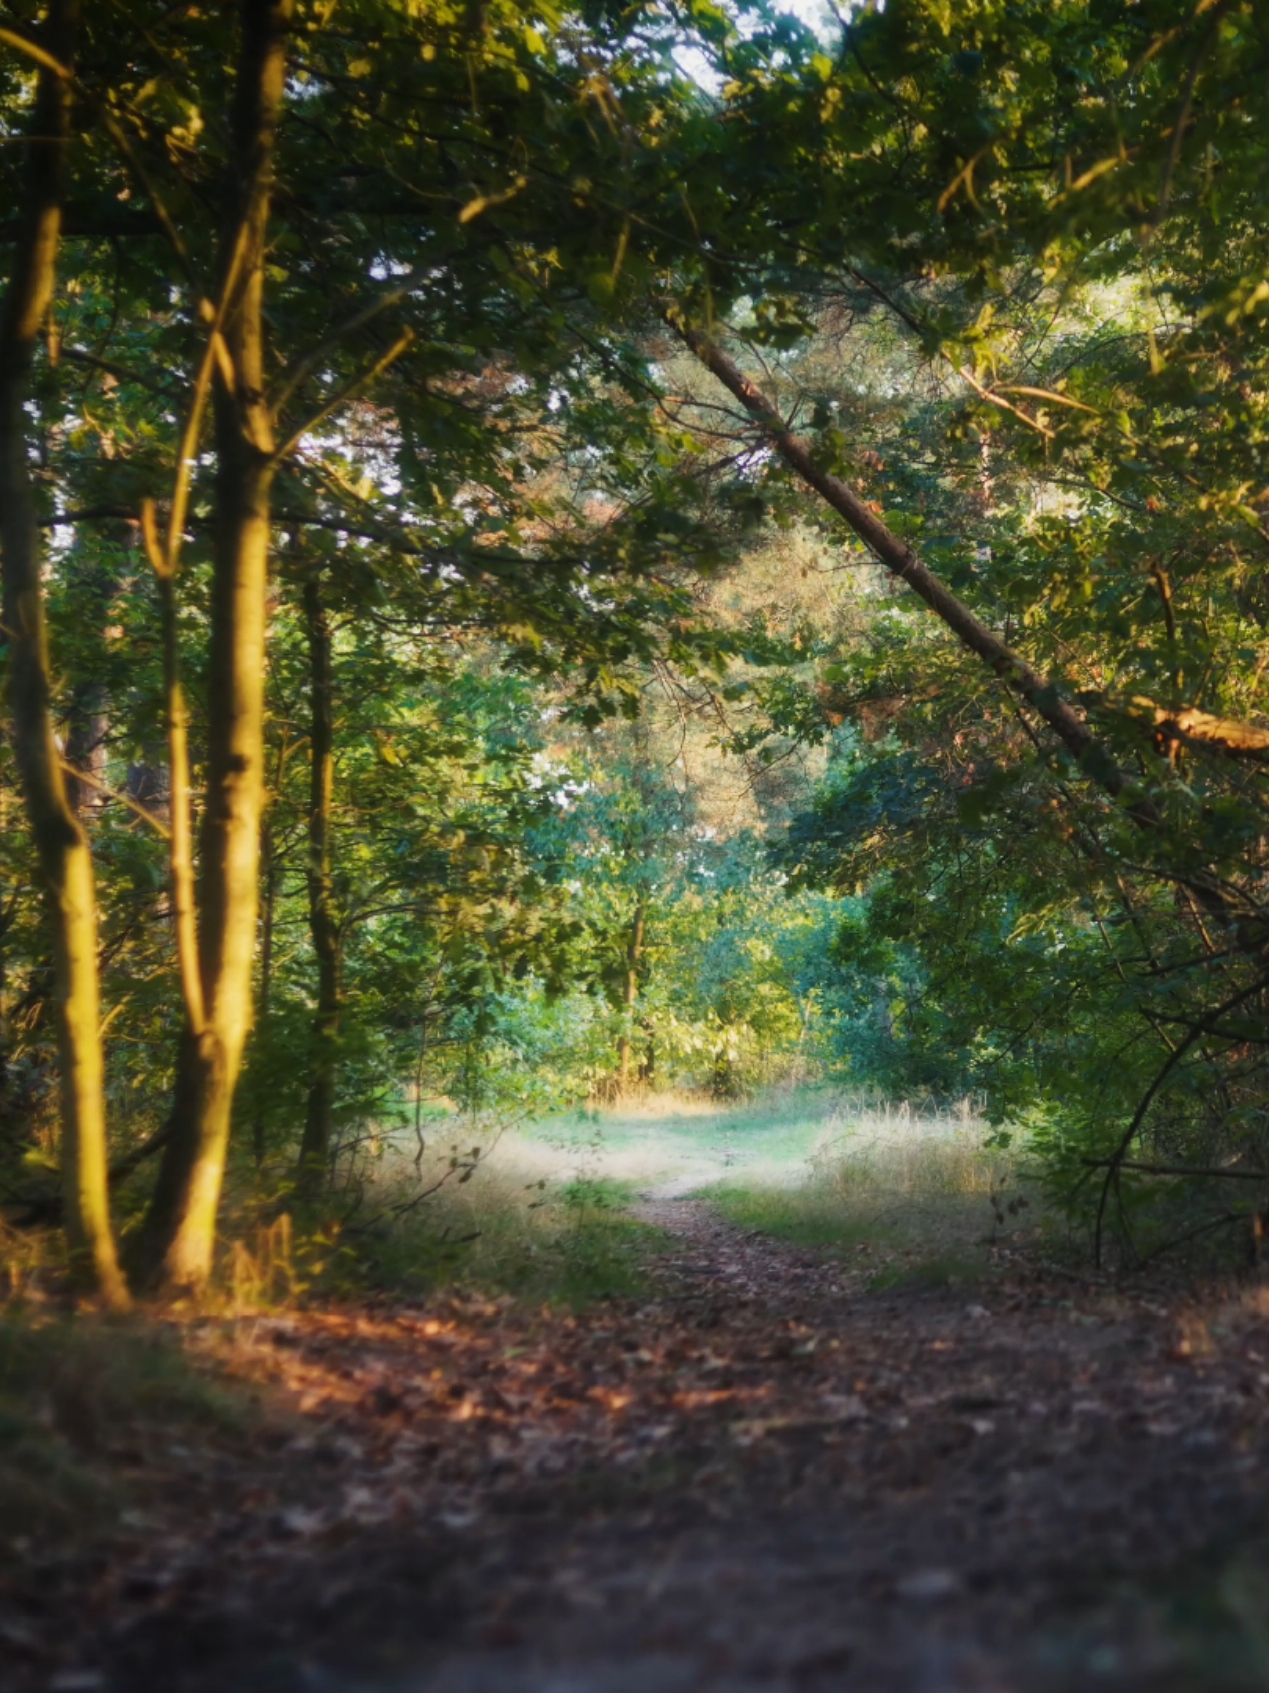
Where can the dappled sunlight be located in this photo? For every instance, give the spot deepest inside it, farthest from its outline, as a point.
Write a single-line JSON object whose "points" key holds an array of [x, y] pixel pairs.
{"points": [[710, 1418], [676, 1145]]}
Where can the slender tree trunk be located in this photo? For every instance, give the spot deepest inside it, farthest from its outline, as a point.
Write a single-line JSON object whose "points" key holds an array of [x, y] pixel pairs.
{"points": [[648, 1063], [88, 725], [630, 992], [65, 859], [269, 881], [179, 787], [323, 918], [181, 1225]]}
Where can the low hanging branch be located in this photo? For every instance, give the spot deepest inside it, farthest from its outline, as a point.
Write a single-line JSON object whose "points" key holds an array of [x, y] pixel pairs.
{"points": [[1200, 729], [1040, 693], [1186, 1170], [1186, 725], [1115, 1163]]}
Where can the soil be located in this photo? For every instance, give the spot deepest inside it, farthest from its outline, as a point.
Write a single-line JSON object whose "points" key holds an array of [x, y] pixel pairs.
{"points": [[773, 1476]]}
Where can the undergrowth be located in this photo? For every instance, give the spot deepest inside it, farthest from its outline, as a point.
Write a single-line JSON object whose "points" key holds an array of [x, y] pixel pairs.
{"points": [[568, 1244], [925, 1189], [803, 1215], [84, 1403]]}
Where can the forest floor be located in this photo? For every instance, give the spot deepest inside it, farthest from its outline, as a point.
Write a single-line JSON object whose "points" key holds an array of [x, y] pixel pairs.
{"points": [[776, 1470]]}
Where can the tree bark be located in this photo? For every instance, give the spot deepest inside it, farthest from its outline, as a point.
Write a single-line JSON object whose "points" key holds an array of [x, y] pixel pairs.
{"points": [[630, 992], [269, 881], [323, 917], [180, 840], [180, 1230], [65, 859]]}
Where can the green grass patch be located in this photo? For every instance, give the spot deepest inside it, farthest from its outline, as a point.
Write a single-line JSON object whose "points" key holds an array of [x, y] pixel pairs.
{"points": [[942, 1271], [563, 1244], [796, 1215], [773, 1129], [924, 1193]]}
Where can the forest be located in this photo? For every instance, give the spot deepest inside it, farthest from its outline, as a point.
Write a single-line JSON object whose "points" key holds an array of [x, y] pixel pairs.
{"points": [[572, 561]]}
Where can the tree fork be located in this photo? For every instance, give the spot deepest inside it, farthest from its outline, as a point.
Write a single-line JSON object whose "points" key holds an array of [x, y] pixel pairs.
{"points": [[180, 1231], [62, 845]]}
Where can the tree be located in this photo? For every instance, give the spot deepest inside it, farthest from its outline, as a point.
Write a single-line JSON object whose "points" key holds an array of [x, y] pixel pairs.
{"points": [[378, 289], [1074, 276], [63, 849]]}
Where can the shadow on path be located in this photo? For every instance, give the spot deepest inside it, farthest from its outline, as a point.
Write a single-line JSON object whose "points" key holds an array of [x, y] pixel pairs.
{"points": [[768, 1478]]}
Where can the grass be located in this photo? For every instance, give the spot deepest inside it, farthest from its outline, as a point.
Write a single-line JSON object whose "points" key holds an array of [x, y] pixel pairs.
{"points": [[547, 1219], [565, 1243], [801, 1215], [85, 1401], [923, 1189], [651, 1139]]}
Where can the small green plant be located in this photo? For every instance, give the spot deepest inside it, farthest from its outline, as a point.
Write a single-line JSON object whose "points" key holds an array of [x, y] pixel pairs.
{"points": [[943, 1270]]}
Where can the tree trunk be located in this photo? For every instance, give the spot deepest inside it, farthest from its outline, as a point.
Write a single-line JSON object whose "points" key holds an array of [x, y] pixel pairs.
{"points": [[630, 992], [181, 1225], [323, 918], [65, 859], [648, 1063], [269, 881], [86, 752], [88, 720]]}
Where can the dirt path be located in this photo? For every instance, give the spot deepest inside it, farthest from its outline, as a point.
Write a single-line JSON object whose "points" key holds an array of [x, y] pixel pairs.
{"points": [[766, 1478]]}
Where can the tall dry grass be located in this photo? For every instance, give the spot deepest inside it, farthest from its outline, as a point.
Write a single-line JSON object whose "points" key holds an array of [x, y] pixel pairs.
{"points": [[905, 1155], [909, 1178]]}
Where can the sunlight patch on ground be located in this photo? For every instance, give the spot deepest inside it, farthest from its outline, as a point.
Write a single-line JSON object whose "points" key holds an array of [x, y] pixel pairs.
{"points": [[669, 1147]]}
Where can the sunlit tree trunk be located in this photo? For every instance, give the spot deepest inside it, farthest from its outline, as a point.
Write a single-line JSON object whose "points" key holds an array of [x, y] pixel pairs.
{"points": [[323, 917], [65, 859], [181, 1226]]}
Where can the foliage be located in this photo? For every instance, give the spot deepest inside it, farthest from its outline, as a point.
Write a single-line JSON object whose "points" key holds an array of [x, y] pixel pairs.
{"points": [[640, 776]]}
